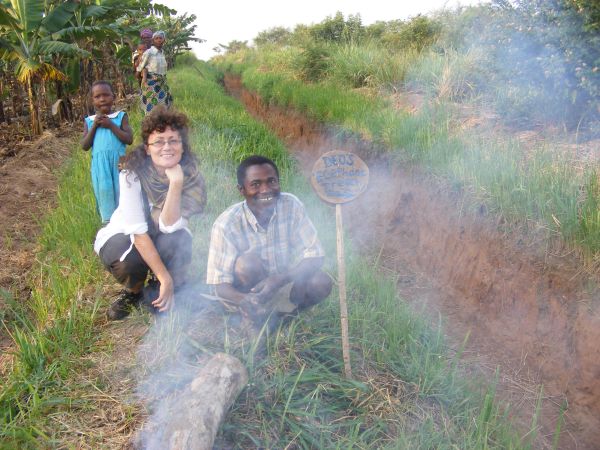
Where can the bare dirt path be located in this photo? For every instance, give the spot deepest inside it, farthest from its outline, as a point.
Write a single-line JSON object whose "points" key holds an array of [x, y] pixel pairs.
{"points": [[28, 181], [529, 313]]}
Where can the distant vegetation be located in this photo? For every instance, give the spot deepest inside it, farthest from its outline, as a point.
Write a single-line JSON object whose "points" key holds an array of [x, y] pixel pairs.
{"points": [[537, 62], [52, 51], [483, 75]]}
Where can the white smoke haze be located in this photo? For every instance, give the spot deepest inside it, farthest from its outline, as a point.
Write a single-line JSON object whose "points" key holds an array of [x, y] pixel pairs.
{"points": [[532, 61], [172, 355]]}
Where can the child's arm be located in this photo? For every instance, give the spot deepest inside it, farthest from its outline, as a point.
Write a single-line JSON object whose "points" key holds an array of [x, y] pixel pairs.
{"points": [[124, 134], [88, 135]]}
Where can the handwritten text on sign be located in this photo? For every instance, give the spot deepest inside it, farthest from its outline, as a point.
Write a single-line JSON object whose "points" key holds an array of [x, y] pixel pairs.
{"points": [[339, 176]]}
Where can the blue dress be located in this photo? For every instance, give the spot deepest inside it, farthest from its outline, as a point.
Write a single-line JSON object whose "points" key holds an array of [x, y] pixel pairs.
{"points": [[106, 151]]}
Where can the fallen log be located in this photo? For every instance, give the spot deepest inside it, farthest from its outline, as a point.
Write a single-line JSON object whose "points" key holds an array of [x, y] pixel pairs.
{"points": [[190, 419]]}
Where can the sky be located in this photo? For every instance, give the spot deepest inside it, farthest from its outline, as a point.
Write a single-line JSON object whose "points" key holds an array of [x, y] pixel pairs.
{"points": [[220, 22]]}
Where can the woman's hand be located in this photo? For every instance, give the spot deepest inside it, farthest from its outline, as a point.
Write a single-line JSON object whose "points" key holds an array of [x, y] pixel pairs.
{"points": [[175, 174], [166, 295]]}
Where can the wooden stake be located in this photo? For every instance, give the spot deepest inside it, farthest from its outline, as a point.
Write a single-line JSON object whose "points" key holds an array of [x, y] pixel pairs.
{"points": [[342, 287], [339, 177]]}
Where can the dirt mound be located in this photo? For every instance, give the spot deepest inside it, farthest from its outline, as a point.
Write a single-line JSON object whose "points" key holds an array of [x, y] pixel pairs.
{"points": [[530, 313], [27, 191]]}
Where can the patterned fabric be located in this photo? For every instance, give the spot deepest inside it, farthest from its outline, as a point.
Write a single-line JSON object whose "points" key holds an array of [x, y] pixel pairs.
{"points": [[106, 151], [289, 237], [155, 92]]}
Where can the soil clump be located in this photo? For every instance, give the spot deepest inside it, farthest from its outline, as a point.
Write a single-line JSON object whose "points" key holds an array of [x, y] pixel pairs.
{"points": [[528, 309]]}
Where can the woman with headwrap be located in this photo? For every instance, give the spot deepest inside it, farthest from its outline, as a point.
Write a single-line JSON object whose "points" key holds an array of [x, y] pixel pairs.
{"points": [[160, 189], [153, 68], [143, 45]]}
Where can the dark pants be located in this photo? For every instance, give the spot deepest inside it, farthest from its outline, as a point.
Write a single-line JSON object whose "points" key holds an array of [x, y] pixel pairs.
{"points": [[249, 271], [175, 250]]}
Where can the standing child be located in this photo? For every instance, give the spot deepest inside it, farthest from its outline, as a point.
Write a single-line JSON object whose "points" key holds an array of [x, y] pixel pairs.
{"points": [[107, 133]]}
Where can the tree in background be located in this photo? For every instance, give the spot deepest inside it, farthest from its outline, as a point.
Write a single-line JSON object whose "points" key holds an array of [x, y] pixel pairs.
{"points": [[72, 43], [28, 41], [273, 36], [180, 31]]}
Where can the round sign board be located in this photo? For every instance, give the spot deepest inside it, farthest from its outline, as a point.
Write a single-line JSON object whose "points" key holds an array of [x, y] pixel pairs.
{"points": [[339, 177]]}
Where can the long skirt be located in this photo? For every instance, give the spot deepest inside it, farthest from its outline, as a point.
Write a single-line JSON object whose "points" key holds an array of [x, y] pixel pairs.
{"points": [[155, 92]]}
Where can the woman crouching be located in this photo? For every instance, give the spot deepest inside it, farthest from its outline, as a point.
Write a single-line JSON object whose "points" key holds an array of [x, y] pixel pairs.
{"points": [[160, 189]]}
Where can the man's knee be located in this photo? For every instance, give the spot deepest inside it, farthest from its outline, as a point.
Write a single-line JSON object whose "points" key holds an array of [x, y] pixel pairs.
{"points": [[248, 271], [319, 286], [314, 290]]}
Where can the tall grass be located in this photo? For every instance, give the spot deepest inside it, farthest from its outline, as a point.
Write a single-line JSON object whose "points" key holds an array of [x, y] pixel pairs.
{"points": [[538, 185], [56, 326], [407, 394]]}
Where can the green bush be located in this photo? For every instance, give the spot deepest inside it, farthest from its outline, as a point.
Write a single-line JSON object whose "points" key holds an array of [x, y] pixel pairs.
{"points": [[417, 34], [313, 63]]}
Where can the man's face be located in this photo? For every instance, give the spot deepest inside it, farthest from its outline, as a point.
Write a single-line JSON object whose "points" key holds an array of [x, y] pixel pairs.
{"points": [[261, 188]]}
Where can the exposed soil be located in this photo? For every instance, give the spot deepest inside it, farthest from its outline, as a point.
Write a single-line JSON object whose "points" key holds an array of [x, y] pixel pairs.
{"points": [[532, 314], [28, 180], [528, 310]]}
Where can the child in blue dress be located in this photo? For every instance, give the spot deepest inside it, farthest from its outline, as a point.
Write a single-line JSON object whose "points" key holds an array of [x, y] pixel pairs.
{"points": [[107, 133]]}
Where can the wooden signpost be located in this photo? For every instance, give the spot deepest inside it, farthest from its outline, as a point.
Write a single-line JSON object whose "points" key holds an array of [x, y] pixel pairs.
{"points": [[339, 177]]}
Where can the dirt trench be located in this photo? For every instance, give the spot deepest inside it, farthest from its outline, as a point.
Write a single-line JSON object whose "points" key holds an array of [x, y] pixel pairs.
{"points": [[534, 316]]}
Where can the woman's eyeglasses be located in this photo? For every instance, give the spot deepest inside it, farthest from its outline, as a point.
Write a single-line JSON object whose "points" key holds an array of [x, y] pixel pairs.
{"points": [[160, 143]]}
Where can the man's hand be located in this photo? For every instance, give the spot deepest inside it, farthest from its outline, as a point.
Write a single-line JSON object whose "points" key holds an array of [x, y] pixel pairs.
{"points": [[252, 307], [267, 288]]}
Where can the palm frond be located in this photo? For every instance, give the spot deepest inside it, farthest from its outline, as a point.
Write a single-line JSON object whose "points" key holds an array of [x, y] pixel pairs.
{"points": [[62, 48], [59, 16], [29, 13]]}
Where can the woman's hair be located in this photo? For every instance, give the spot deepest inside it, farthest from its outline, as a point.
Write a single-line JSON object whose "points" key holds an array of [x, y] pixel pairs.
{"points": [[159, 120]]}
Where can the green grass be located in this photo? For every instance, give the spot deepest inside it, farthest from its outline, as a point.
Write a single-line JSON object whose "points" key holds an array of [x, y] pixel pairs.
{"points": [[407, 392], [539, 186]]}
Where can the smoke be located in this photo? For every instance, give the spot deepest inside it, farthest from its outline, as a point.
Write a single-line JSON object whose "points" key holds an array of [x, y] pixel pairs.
{"points": [[172, 352], [536, 62]]}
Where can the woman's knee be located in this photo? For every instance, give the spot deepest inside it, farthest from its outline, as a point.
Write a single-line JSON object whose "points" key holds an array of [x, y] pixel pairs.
{"points": [[132, 269], [177, 244]]}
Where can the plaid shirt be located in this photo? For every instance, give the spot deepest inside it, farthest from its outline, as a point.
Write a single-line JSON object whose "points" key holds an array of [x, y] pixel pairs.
{"points": [[289, 237], [154, 60]]}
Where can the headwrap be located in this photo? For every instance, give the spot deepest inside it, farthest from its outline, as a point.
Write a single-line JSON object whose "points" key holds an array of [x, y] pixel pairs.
{"points": [[159, 33], [193, 195], [146, 33]]}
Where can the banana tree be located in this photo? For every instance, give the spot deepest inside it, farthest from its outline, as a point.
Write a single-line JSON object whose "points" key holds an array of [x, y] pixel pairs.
{"points": [[107, 29], [27, 38], [180, 31]]}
